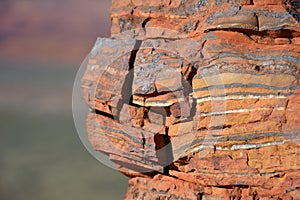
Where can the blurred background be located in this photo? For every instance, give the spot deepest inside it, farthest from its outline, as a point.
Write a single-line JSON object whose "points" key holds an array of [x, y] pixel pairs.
{"points": [[42, 44]]}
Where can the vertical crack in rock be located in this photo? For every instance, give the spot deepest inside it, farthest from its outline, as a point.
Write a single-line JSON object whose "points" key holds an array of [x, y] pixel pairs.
{"points": [[126, 92], [133, 54], [143, 140], [145, 22], [169, 152], [257, 20], [163, 145], [200, 196]]}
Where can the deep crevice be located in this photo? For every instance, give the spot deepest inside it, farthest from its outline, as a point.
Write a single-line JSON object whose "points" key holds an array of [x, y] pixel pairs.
{"points": [[169, 152], [220, 127], [196, 25], [257, 68], [99, 112], [155, 94], [191, 74], [283, 33], [143, 140], [126, 92], [232, 186], [199, 196], [163, 147], [145, 22], [134, 53]]}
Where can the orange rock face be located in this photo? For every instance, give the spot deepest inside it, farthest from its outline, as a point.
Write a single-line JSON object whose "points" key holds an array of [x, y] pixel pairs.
{"points": [[199, 99]]}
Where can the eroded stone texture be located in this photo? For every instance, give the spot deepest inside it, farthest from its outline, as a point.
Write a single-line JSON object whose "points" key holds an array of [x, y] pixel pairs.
{"points": [[199, 99]]}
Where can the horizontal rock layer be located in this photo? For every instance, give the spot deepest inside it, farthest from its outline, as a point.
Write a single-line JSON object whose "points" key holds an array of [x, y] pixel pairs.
{"points": [[199, 99]]}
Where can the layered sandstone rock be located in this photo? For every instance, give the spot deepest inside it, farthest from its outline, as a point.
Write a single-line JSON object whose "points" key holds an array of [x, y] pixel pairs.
{"points": [[199, 99]]}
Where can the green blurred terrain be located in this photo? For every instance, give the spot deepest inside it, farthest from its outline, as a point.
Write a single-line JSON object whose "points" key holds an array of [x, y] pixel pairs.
{"points": [[41, 155]]}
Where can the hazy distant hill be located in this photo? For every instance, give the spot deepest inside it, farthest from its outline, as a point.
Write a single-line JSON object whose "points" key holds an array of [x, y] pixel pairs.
{"points": [[51, 30]]}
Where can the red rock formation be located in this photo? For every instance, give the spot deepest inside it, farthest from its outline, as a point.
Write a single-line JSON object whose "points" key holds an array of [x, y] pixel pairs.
{"points": [[199, 99]]}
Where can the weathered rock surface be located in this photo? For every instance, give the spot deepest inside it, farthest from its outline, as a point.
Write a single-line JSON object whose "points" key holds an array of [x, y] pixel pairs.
{"points": [[199, 99]]}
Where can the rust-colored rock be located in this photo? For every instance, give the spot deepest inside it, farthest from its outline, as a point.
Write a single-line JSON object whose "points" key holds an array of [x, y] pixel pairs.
{"points": [[199, 99]]}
